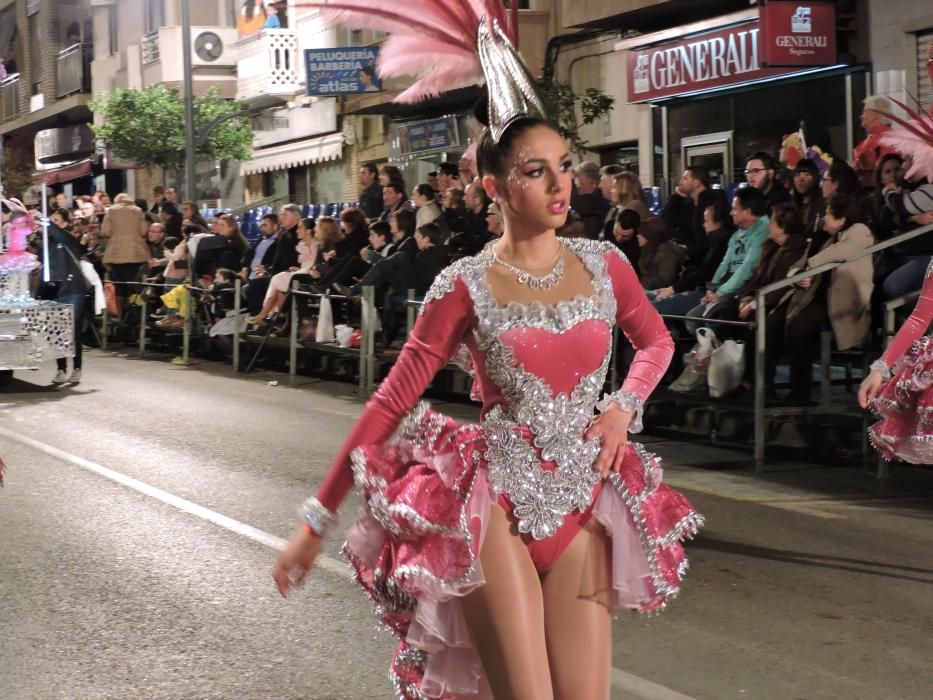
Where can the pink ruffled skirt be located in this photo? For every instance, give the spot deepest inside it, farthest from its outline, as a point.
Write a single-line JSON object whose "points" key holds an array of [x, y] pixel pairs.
{"points": [[905, 406], [415, 548]]}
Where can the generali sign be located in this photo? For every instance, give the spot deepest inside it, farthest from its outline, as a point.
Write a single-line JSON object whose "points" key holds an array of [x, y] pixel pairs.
{"points": [[734, 55]]}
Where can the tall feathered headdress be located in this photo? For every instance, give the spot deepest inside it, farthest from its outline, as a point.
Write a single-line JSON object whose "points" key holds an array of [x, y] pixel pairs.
{"points": [[446, 44], [914, 138]]}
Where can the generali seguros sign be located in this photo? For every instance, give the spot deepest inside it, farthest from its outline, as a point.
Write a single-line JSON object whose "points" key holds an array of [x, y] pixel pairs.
{"points": [[782, 38]]}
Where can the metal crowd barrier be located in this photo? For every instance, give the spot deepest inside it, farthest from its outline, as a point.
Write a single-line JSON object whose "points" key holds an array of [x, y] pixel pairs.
{"points": [[760, 334]]}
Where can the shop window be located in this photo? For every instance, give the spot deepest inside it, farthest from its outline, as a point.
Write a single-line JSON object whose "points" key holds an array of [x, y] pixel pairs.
{"points": [[154, 17]]}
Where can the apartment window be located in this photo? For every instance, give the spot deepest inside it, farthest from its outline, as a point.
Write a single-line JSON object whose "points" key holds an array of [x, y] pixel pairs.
{"points": [[155, 15]]}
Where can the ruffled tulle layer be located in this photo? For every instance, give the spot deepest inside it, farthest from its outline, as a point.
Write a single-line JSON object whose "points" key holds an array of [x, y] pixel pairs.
{"points": [[905, 406], [415, 548]]}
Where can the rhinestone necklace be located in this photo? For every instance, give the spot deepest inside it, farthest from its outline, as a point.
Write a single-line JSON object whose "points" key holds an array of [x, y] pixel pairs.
{"points": [[546, 281]]}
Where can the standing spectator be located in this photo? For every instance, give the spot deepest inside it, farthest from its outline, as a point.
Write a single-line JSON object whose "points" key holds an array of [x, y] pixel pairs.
{"points": [[588, 200], [67, 279], [158, 198], [627, 193], [391, 174], [272, 17], [432, 181], [867, 153], [171, 196], [394, 197], [760, 173], [190, 214], [683, 213], [607, 175], [467, 165], [448, 177], [455, 212], [371, 194], [807, 195], [426, 207], [124, 228], [172, 219], [60, 201]]}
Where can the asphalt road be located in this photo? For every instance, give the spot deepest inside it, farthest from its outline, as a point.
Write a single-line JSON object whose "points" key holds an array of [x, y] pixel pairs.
{"points": [[143, 507]]}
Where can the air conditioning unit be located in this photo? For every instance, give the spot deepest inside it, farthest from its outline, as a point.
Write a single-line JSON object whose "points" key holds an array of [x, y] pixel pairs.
{"points": [[213, 46]]}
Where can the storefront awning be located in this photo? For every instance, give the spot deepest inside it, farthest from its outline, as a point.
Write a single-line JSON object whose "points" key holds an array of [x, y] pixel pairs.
{"points": [[291, 155], [66, 173]]}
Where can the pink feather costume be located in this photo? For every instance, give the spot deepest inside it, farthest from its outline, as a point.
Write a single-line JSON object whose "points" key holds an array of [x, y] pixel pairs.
{"points": [[905, 402], [429, 483]]}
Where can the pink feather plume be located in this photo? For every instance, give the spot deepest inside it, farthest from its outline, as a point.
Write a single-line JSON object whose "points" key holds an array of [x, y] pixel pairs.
{"points": [[434, 41], [914, 138]]}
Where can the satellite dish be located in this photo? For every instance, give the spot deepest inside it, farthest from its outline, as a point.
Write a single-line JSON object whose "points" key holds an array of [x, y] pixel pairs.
{"points": [[208, 46]]}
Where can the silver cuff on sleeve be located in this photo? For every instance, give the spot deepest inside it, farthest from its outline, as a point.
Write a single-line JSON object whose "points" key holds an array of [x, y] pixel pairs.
{"points": [[881, 366], [316, 516], [627, 401]]}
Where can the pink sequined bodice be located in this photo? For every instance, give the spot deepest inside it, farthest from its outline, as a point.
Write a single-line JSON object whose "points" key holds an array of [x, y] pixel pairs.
{"points": [[540, 370], [916, 325]]}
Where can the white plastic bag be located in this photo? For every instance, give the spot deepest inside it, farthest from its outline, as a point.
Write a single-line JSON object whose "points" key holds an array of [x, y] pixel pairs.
{"points": [[726, 367], [344, 333], [325, 323], [696, 363]]}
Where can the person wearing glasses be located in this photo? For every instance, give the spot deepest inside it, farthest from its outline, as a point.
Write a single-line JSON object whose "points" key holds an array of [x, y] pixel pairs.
{"points": [[760, 174]]}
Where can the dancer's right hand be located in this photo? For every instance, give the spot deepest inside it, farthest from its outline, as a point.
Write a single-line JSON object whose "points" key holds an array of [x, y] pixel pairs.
{"points": [[870, 387], [295, 562]]}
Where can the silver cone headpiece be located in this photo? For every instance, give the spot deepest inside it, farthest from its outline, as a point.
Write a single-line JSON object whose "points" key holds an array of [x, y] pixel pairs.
{"points": [[511, 89]]}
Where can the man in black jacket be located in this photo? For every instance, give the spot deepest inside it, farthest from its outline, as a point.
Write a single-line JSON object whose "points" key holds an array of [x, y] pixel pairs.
{"points": [[371, 192], [683, 213]]}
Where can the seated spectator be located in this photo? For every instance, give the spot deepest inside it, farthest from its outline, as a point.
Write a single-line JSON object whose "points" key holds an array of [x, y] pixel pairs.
{"points": [[155, 238], [760, 172], [607, 175], [391, 270], [172, 219], [690, 287], [475, 234], [807, 196], [839, 178], [659, 260], [494, 221], [844, 299], [587, 199], [625, 235], [749, 213], [394, 197], [907, 205], [427, 209], [627, 193], [349, 270], [890, 171], [573, 226], [328, 237], [279, 285]]}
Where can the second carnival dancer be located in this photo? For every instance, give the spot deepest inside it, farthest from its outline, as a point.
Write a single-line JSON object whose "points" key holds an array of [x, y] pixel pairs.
{"points": [[899, 388], [497, 551]]}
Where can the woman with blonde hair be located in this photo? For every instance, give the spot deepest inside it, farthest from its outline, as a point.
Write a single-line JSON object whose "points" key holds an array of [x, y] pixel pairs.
{"points": [[308, 255], [627, 193]]}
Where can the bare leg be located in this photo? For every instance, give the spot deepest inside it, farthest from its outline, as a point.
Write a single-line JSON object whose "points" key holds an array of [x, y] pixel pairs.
{"points": [[506, 616], [273, 301], [577, 618]]}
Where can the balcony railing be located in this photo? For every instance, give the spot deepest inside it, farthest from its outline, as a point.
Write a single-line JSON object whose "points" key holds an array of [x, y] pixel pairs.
{"points": [[9, 96], [73, 69], [269, 64]]}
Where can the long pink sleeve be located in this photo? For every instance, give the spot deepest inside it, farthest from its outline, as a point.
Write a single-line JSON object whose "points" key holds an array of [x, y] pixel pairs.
{"points": [[915, 326], [434, 339], [643, 326]]}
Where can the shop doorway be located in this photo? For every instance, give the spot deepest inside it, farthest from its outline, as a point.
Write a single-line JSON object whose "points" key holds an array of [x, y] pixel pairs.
{"points": [[713, 152]]}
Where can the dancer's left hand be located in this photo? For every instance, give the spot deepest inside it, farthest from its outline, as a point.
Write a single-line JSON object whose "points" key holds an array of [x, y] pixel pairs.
{"points": [[611, 429]]}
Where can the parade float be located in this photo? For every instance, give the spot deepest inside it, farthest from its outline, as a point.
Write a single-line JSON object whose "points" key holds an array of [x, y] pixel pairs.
{"points": [[31, 331]]}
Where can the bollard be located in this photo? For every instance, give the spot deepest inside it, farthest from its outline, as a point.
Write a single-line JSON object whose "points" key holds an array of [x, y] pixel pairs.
{"points": [[237, 289]]}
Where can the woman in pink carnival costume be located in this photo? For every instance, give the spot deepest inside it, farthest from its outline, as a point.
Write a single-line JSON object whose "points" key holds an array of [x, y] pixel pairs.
{"points": [[496, 552], [899, 388]]}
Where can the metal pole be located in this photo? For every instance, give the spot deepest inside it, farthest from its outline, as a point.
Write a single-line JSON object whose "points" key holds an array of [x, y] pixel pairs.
{"points": [[186, 332], [850, 122], [190, 191], [293, 335], [46, 272], [142, 326], [105, 320], [237, 289], [760, 340]]}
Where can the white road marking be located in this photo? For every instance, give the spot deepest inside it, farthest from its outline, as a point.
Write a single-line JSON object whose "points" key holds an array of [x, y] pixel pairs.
{"points": [[639, 688]]}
